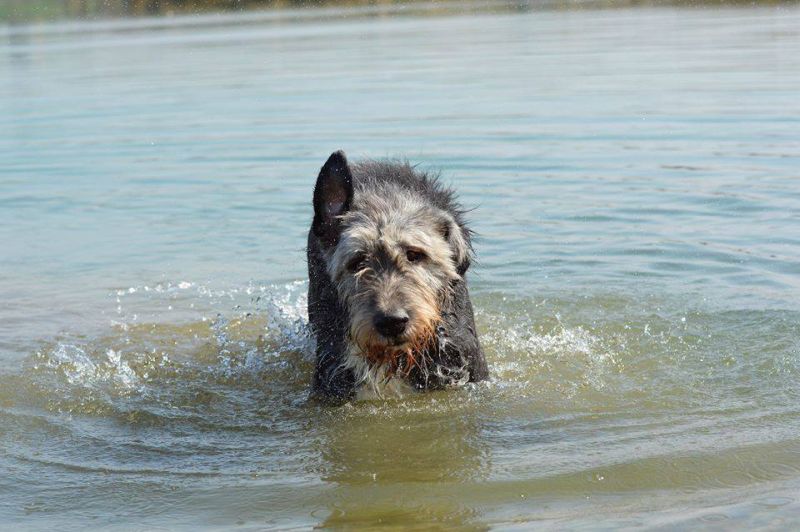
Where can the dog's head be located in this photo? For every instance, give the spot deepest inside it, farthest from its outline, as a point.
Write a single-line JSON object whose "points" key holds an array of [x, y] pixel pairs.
{"points": [[393, 256]]}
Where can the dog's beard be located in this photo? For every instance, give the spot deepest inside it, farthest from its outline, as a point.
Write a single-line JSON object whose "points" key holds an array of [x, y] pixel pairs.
{"points": [[397, 357]]}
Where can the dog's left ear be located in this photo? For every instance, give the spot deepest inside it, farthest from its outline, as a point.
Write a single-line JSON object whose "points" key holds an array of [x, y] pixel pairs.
{"points": [[459, 241], [333, 195]]}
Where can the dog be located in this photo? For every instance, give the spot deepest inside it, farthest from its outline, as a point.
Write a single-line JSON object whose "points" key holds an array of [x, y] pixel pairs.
{"points": [[388, 252]]}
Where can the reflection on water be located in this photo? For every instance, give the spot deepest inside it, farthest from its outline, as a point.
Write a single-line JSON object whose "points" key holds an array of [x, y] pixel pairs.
{"points": [[402, 465], [634, 173], [369, 445]]}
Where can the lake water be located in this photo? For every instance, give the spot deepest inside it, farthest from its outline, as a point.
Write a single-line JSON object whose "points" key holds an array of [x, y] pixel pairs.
{"points": [[635, 178]]}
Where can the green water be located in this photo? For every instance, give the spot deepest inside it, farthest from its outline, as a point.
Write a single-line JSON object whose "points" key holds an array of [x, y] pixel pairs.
{"points": [[634, 174]]}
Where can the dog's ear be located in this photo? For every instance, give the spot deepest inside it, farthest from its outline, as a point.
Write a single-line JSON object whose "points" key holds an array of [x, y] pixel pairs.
{"points": [[459, 240], [333, 195]]}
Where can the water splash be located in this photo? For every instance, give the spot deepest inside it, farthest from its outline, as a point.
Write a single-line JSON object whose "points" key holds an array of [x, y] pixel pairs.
{"points": [[261, 337]]}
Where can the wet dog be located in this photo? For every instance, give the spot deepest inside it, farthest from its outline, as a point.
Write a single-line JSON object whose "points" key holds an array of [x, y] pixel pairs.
{"points": [[388, 253]]}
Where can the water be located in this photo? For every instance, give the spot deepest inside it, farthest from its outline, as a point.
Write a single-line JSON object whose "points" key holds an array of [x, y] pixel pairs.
{"points": [[634, 174]]}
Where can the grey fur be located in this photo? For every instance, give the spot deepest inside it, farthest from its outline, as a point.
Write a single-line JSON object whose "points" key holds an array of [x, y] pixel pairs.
{"points": [[371, 219]]}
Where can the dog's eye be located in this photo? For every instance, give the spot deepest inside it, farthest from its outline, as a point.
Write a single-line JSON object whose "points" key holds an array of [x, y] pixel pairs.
{"points": [[357, 263], [414, 255]]}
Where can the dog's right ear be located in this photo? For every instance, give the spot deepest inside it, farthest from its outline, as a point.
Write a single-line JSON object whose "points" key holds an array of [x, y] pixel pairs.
{"points": [[333, 195]]}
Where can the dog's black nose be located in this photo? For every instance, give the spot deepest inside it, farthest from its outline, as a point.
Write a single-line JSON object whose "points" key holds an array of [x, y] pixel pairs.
{"points": [[391, 325]]}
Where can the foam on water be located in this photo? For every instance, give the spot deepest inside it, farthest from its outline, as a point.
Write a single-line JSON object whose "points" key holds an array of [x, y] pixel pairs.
{"points": [[254, 333], [604, 354]]}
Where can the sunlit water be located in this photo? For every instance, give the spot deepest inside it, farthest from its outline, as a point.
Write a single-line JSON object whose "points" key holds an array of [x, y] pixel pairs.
{"points": [[634, 175]]}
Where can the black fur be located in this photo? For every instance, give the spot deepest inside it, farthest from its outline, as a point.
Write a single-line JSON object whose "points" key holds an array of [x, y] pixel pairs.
{"points": [[334, 182]]}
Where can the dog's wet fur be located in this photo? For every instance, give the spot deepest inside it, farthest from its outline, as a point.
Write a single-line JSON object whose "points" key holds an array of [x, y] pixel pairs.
{"points": [[388, 253]]}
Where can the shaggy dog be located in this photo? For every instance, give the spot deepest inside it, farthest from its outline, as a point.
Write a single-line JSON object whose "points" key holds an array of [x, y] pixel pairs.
{"points": [[388, 253]]}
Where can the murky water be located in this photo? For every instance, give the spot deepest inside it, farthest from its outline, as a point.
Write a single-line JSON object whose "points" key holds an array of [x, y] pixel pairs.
{"points": [[635, 177]]}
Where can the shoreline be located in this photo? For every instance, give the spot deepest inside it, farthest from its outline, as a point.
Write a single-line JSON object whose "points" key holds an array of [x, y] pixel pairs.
{"points": [[20, 12]]}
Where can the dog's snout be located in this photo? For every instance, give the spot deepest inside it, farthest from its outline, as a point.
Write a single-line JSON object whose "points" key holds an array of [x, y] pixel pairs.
{"points": [[391, 324]]}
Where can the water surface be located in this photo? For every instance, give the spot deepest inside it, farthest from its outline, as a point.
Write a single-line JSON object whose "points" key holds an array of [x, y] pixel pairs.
{"points": [[634, 174]]}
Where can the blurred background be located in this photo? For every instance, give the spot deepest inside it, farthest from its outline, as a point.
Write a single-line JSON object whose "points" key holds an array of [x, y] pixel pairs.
{"points": [[27, 10]]}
